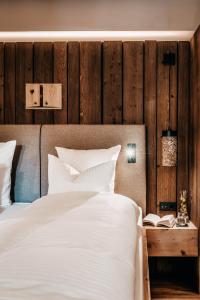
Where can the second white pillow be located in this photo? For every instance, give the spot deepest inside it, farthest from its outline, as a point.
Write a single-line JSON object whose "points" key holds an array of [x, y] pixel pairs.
{"points": [[65, 178]]}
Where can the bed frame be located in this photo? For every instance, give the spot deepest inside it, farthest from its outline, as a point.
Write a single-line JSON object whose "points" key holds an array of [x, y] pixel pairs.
{"points": [[34, 142]]}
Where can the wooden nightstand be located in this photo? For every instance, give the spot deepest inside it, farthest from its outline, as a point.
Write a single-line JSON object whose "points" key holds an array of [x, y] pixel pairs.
{"points": [[176, 241], [173, 261]]}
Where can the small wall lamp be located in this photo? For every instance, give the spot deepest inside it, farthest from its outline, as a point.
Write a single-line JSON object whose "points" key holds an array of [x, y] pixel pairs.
{"points": [[169, 148], [169, 136], [131, 153]]}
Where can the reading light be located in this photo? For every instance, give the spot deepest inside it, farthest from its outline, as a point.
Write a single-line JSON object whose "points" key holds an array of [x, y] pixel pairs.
{"points": [[131, 153]]}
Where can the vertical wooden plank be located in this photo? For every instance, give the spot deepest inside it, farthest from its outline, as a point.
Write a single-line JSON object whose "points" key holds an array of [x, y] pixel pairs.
{"points": [[196, 99], [43, 73], [183, 115], [194, 126], [197, 136], [1, 83], [24, 74], [133, 83], [90, 82], [73, 82], [9, 87], [60, 76], [150, 67], [112, 82], [194, 140], [166, 176], [194, 154], [193, 132]]}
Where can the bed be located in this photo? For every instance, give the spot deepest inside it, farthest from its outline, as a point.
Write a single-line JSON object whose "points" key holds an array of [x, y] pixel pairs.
{"points": [[75, 245]]}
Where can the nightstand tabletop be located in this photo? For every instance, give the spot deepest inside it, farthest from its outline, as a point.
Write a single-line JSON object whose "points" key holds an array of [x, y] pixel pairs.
{"points": [[190, 226]]}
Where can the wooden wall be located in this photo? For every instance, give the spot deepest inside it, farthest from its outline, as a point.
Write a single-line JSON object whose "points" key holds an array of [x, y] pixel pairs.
{"points": [[195, 126], [109, 83]]}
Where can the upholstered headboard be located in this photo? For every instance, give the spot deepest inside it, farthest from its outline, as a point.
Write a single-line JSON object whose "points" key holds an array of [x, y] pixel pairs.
{"points": [[26, 164], [130, 177], [34, 142]]}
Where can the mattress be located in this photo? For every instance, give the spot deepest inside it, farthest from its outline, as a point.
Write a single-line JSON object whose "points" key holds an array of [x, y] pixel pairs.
{"points": [[72, 246]]}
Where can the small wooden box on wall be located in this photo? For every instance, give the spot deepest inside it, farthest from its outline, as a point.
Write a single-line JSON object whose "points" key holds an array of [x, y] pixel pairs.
{"points": [[43, 96]]}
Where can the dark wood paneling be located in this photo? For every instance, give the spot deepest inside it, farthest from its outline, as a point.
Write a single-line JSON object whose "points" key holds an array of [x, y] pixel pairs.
{"points": [[194, 154], [112, 82], [183, 115], [24, 74], [9, 81], [193, 131], [1, 83], [43, 73], [150, 77], [90, 82], [194, 136], [60, 76], [166, 177], [133, 82], [73, 82]]}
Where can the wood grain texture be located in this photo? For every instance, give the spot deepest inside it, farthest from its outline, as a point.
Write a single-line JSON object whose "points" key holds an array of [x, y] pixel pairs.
{"points": [[166, 176], [133, 82], [147, 292], [183, 116], [170, 290], [24, 74], [9, 83], [193, 131], [73, 83], [43, 73], [194, 154], [90, 83], [60, 76], [150, 120], [172, 241], [112, 82], [197, 140], [1, 83]]}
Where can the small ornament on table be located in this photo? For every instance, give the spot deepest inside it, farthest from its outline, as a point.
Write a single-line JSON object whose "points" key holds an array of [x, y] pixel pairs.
{"points": [[183, 218]]}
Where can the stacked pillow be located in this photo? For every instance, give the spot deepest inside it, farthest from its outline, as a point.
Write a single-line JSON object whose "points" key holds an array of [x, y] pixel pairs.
{"points": [[82, 170], [6, 157]]}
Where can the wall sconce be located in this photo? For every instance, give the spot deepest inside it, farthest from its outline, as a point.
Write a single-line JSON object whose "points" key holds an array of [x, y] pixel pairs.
{"points": [[131, 153], [169, 148], [169, 137]]}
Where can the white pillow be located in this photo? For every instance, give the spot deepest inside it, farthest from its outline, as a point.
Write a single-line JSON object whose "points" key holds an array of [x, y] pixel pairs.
{"points": [[82, 160], [6, 156], [64, 178]]}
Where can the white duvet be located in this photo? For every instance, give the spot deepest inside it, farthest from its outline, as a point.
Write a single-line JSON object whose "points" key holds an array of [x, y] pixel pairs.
{"points": [[72, 246]]}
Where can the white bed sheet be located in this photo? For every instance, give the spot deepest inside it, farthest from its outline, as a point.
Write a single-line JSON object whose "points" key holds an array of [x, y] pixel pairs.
{"points": [[72, 246], [6, 211]]}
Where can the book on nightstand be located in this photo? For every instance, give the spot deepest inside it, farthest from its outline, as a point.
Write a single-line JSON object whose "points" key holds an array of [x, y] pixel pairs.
{"points": [[155, 220]]}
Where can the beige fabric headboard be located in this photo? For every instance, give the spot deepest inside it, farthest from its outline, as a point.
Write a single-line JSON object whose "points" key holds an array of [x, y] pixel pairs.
{"points": [[26, 163], [130, 177]]}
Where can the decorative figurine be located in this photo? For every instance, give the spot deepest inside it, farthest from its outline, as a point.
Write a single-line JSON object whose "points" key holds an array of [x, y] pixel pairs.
{"points": [[183, 218]]}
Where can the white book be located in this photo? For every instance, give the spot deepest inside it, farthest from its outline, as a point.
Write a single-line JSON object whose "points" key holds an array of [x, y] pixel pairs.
{"points": [[155, 220]]}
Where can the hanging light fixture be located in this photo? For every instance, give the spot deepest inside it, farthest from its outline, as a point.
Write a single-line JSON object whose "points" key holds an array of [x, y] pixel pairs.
{"points": [[169, 136]]}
